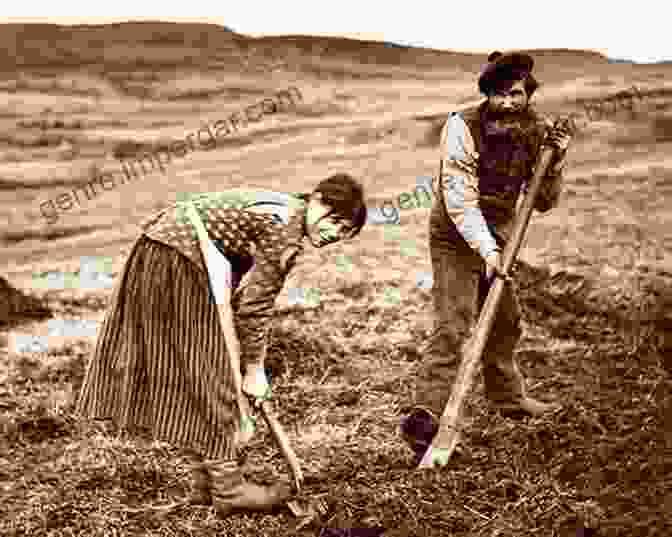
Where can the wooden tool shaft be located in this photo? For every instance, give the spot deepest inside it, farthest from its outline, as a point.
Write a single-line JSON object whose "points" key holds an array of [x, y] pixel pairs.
{"points": [[217, 266], [487, 316], [282, 441], [447, 436]]}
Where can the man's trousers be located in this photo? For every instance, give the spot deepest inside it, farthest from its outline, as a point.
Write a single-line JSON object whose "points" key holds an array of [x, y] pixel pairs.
{"points": [[459, 291]]}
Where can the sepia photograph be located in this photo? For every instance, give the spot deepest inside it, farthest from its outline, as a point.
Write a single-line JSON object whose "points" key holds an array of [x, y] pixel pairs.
{"points": [[346, 270]]}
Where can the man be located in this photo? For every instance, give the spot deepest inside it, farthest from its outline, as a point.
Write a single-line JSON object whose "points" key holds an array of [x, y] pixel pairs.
{"points": [[488, 153]]}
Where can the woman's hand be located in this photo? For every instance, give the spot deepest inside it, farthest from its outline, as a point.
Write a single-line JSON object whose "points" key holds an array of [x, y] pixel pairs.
{"points": [[255, 383]]}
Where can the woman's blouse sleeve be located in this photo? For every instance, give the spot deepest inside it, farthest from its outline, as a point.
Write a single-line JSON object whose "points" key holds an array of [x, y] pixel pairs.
{"points": [[254, 302]]}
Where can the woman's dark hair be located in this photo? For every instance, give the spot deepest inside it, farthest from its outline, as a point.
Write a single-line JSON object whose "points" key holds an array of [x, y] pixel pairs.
{"points": [[504, 69], [345, 196]]}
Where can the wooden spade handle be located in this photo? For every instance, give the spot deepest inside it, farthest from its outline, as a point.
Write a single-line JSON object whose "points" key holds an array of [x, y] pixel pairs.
{"points": [[448, 436], [214, 261], [217, 266], [282, 441]]}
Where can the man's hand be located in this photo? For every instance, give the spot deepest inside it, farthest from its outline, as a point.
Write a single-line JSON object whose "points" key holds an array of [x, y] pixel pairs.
{"points": [[560, 135], [255, 384], [493, 266]]}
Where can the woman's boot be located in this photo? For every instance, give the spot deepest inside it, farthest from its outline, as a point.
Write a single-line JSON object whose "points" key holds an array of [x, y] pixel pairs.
{"points": [[200, 480], [230, 492]]}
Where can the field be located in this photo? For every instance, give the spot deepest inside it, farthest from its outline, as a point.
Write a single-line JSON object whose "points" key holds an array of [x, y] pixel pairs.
{"points": [[594, 279]]}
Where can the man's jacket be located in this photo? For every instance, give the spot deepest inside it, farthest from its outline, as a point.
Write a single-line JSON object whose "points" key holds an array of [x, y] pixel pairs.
{"points": [[484, 166]]}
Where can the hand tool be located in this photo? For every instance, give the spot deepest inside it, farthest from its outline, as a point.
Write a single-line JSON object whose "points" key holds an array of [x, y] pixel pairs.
{"points": [[448, 434], [282, 441], [218, 269], [308, 511]]}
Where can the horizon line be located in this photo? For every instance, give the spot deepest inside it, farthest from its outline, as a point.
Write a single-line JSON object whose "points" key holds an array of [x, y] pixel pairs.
{"points": [[357, 36]]}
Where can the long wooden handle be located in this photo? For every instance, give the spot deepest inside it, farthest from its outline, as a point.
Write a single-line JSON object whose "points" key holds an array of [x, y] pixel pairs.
{"points": [[448, 436], [218, 267], [282, 441], [215, 263]]}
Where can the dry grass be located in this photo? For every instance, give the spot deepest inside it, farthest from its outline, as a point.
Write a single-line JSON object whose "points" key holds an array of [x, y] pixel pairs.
{"points": [[594, 289], [341, 397]]}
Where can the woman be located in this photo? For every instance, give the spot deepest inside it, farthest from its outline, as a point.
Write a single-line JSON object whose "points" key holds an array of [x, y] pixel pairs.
{"points": [[161, 360]]}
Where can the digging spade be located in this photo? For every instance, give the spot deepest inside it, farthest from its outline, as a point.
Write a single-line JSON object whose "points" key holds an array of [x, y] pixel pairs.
{"points": [[447, 436], [218, 266]]}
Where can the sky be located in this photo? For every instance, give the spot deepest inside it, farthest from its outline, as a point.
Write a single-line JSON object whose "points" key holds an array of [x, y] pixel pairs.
{"points": [[630, 30]]}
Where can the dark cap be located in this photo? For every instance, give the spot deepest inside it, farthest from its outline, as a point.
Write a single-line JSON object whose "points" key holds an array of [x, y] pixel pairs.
{"points": [[504, 70]]}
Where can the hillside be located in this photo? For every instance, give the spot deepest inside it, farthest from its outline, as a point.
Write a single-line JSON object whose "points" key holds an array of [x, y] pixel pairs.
{"points": [[594, 278], [164, 45]]}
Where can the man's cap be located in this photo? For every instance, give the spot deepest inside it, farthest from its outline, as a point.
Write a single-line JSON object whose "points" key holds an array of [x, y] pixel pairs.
{"points": [[503, 70]]}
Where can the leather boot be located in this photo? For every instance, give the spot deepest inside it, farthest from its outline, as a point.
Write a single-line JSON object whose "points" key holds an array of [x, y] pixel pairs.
{"points": [[525, 406], [418, 430], [199, 480], [231, 492]]}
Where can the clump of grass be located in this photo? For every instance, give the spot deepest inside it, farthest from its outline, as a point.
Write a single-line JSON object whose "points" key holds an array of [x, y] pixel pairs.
{"points": [[319, 108], [603, 81], [129, 148], [354, 291], [432, 137], [17, 306], [197, 94], [13, 237], [45, 124], [42, 139], [661, 129], [635, 304]]}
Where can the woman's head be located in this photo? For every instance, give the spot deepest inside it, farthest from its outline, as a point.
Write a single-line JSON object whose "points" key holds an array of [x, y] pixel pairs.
{"points": [[507, 82], [336, 210]]}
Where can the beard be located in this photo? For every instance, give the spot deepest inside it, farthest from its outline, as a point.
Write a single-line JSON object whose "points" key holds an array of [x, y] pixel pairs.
{"points": [[504, 123], [504, 126]]}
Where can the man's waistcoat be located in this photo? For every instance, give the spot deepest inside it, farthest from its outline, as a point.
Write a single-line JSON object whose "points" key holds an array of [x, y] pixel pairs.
{"points": [[507, 157]]}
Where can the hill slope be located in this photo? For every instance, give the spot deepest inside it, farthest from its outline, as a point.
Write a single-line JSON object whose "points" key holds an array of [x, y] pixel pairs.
{"points": [[166, 44]]}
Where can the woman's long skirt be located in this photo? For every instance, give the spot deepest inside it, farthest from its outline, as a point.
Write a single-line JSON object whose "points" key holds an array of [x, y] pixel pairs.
{"points": [[160, 364]]}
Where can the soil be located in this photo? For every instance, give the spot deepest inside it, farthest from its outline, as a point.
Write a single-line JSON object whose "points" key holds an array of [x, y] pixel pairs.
{"points": [[602, 462], [594, 283]]}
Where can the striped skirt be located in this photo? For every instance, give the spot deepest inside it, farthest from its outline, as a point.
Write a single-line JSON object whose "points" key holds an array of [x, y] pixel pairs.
{"points": [[160, 365]]}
